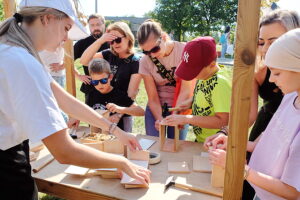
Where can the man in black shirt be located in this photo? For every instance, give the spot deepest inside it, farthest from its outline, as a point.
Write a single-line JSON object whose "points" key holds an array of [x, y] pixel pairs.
{"points": [[97, 27]]}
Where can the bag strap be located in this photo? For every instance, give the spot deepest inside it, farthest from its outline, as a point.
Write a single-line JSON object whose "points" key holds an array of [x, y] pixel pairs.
{"points": [[163, 72]]}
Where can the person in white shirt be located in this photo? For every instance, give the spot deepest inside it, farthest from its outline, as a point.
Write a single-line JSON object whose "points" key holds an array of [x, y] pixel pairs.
{"points": [[30, 101]]}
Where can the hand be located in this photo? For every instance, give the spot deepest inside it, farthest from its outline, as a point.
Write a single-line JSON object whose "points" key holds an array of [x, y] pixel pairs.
{"points": [[217, 157], [114, 118], [107, 37], [84, 78], [157, 124], [130, 140], [137, 172], [73, 123], [55, 67], [174, 120], [217, 141], [113, 108]]}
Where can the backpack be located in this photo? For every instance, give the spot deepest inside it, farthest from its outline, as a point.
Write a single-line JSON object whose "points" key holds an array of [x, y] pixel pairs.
{"points": [[222, 39]]}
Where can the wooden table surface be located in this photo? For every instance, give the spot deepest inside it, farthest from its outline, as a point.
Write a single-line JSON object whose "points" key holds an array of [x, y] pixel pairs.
{"points": [[52, 179]]}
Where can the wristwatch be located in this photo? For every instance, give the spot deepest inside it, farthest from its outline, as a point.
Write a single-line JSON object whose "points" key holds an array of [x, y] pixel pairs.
{"points": [[246, 172]]}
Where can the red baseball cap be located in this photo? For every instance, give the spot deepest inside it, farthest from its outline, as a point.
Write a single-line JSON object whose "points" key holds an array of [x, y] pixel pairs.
{"points": [[197, 54]]}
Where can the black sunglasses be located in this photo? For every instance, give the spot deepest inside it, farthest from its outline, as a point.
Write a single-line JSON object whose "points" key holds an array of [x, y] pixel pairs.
{"points": [[154, 49], [102, 81], [118, 40]]}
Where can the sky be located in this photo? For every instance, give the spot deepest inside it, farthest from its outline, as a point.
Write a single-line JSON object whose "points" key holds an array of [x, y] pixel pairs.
{"points": [[118, 7], [139, 7]]}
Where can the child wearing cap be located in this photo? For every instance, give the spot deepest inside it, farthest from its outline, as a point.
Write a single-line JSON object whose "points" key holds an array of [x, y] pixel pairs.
{"points": [[211, 100], [273, 170], [107, 97]]}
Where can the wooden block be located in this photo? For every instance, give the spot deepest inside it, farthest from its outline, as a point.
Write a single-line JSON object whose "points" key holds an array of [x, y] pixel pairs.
{"points": [[162, 139], [201, 164], [113, 146], [75, 170], [138, 155], [178, 167], [99, 145], [217, 176]]}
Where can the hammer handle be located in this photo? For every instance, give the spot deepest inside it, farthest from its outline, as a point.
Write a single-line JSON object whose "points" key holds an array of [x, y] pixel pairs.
{"points": [[190, 187], [173, 109]]}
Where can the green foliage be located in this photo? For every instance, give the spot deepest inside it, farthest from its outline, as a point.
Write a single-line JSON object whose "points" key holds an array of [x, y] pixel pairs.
{"points": [[1, 11], [195, 17]]}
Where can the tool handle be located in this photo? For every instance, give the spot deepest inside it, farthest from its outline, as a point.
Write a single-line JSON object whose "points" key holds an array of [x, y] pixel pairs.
{"points": [[37, 169], [190, 187], [173, 109]]}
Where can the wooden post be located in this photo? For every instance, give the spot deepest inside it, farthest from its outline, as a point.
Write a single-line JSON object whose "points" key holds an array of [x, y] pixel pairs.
{"points": [[69, 65], [9, 7], [244, 61]]}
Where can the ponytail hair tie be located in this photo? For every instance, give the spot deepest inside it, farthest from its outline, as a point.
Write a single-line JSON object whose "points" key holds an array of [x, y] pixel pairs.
{"points": [[18, 17]]}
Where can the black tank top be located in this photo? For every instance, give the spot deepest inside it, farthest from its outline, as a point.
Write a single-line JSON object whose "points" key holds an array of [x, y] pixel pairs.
{"points": [[270, 94]]}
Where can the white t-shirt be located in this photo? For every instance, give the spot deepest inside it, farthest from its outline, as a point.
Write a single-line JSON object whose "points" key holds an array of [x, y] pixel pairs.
{"points": [[28, 109], [49, 57]]}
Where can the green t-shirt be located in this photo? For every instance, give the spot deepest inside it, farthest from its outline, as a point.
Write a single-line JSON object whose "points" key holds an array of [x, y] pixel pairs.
{"points": [[211, 96]]}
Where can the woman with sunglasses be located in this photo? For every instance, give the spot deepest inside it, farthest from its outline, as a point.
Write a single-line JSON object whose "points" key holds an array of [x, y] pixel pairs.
{"points": [[123, 62], [30, 101], [157, 67]]}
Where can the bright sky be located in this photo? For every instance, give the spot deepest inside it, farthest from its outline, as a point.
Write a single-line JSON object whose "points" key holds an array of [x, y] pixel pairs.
{"points": [[139, 7], [118, 7]]}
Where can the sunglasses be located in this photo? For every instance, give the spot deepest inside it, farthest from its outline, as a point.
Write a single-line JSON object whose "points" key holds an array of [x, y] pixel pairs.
{"points": [[118, 40], [102, 81], [154, 49]]}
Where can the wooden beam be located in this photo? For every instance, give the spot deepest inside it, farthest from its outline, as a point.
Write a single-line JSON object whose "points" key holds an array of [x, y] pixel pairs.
{"points": [[244, 61], [9, 7], [69, 65]]}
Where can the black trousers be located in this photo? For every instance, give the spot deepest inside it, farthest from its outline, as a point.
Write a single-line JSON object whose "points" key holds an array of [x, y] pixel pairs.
{"points": [[16, 182]]}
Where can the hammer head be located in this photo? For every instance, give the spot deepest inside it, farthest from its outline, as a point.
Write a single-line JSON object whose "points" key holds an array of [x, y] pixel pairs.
{"points": [[169, 182]]}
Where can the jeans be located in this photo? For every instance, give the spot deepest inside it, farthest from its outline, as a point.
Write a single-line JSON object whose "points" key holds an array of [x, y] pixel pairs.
{"points": [[127, 122], [151, 130], [224, 49]]}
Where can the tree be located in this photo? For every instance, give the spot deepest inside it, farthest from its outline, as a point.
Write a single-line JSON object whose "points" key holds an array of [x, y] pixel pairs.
{"points": [[197, 17], [173, 15], [1, 11]]}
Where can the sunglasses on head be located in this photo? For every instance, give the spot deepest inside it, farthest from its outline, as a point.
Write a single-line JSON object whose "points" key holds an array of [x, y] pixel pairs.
{"points": [[118, 40], [102, 81], [154, 49]]}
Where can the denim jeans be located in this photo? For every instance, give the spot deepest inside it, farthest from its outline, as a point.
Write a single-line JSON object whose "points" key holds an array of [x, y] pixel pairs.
{"points": [[127, 122], [224, 49], [151, 130]]}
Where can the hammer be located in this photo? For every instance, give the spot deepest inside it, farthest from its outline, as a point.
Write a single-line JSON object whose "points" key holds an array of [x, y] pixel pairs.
{"points": [[171, 182]]}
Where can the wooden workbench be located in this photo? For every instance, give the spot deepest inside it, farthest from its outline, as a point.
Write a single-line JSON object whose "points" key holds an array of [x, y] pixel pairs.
{"points": [[52, 179]]}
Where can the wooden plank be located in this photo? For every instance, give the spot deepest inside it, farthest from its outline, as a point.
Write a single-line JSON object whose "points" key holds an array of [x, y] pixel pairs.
{"points": [[244, 61], [67, 192], [69, 65], [9, 7]]}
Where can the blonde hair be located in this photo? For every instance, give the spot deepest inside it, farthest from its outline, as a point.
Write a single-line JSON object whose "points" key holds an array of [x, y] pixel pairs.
{"points": [[288, 19], [124, 29], [99, 66], [11, 33], [149, 27]]}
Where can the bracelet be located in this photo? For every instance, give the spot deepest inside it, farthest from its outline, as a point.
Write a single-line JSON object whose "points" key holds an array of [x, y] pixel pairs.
{"points": [[223, 132], [112, 128], [246, 172]]}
